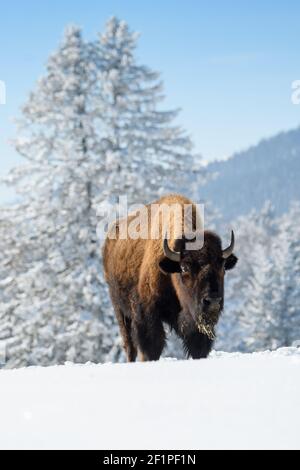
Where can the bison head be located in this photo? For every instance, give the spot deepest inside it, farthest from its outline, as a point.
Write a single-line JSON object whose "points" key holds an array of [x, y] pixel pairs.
{"points": [[198, 277]]}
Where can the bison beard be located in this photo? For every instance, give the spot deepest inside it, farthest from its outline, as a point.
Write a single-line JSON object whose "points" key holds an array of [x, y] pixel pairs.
{"points": [[207, 330], [152, 284]]}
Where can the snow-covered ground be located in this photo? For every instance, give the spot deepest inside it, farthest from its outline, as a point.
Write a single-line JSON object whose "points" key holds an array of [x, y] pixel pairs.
{"points": [[230, 401]]}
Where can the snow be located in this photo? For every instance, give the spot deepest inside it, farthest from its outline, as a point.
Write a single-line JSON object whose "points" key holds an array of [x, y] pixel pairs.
{"points": [[230, 401]]}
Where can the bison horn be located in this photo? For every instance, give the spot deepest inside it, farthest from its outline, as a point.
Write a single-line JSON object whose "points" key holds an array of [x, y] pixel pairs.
{"points": [[172, 255], [229, 250]]}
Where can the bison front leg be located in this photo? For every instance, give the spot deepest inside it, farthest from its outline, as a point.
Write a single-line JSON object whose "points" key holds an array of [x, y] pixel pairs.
{"points": [[150, 336], [197, 345]]}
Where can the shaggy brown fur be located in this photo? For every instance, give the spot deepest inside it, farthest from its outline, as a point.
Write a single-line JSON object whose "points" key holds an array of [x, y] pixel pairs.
{"points": [[148, 290]]}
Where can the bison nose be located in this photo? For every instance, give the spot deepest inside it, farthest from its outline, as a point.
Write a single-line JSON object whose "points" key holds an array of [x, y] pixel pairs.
{"points": [[211, 301]]}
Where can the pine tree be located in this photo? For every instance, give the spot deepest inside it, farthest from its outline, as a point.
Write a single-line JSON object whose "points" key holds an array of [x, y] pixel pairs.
{"points": [[144, 152], [274, 290], [146, 155], [287, 261], [90, 131], [63, 309], [261, 317], [253, 231], [264, 291]]}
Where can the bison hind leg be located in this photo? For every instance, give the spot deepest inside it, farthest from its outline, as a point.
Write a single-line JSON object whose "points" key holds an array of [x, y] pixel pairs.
{"points": [[125, 325]]}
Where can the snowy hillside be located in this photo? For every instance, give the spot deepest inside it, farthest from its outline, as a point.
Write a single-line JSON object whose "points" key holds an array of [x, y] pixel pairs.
{"points": [[229, 401], [267, 171]]}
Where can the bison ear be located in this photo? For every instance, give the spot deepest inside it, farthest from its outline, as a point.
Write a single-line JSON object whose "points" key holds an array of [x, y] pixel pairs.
{"points": [[230, 262], [168, 267]]}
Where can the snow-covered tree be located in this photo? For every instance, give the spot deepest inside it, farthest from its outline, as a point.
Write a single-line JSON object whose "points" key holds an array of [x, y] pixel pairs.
{"points": [[253, 231], [263, 295], [145, 153], [62, 308], [272, 308], [90, 131], [287, 261], [261, 318]]}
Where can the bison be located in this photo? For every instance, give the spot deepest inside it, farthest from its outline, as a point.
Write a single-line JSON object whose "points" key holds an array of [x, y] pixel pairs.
{"points": [[156, 282]]}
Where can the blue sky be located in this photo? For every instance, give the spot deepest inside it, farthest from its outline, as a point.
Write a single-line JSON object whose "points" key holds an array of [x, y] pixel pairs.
{"points": [[228, 64]]}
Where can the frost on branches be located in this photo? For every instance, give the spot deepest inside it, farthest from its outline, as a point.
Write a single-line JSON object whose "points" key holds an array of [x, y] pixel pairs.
{"points": [[91, 130], [263, 294], [145, 154]]}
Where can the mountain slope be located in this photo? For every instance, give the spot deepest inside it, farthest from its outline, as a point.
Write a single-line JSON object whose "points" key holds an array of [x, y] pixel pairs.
{"points": [[267, 171], [230, 401]]}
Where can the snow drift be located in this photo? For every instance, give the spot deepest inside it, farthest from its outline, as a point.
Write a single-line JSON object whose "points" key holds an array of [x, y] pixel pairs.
{"points": [[230, 401]]}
